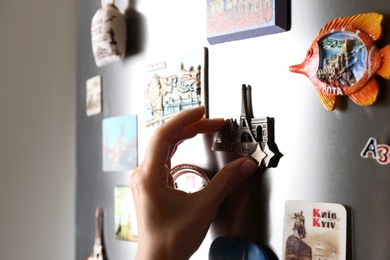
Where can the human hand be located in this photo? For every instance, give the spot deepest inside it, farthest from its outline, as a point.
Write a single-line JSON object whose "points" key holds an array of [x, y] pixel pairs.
{"points": [[171, 223]]}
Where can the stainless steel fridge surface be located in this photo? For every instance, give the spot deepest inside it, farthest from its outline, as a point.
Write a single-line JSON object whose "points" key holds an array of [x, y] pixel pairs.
{"points": [[321, 149]]}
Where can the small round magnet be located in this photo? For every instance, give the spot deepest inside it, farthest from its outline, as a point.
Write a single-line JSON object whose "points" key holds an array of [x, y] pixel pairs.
{"points": [[189, 178]]}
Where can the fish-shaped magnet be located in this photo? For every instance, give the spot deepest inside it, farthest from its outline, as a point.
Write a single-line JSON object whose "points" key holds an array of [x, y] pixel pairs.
{"points": [[344, 61]]}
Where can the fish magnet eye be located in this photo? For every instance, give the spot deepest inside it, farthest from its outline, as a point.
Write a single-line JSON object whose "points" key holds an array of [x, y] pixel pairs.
{"points": [[309, 53]]}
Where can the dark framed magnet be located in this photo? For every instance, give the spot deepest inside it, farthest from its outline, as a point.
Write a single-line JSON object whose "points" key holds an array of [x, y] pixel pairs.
{"points": [[237, 20]]}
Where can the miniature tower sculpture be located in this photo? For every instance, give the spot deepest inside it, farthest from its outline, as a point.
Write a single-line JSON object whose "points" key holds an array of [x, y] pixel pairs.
{"points": [[252, 137], [97, 252], [244, 130]]}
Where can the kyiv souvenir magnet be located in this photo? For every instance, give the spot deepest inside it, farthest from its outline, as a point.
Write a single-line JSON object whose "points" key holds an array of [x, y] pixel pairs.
{"points": [[314, 230], [343, 60], [108, 34], [189, 178], [252, 137]]}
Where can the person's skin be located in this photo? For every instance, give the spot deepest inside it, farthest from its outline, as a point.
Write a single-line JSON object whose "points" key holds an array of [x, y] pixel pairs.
{"points": [[172, 224]]}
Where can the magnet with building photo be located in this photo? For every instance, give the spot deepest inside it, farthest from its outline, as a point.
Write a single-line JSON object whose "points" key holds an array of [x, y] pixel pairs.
{"points": [[231, 20], [120, 143], [94, 95], [343, 60], [175, 83], [314, 230], [125, 218]]}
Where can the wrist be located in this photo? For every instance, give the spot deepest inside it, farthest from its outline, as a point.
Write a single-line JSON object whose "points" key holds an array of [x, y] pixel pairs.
{"points": [[152, 251], [159, 250]]}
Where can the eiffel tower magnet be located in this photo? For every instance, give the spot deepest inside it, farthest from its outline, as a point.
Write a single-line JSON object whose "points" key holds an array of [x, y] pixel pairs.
{"points": [[251, 137]]}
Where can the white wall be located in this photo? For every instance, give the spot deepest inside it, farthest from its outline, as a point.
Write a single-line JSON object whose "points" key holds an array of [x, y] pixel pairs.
{"points": [[37, 129]]}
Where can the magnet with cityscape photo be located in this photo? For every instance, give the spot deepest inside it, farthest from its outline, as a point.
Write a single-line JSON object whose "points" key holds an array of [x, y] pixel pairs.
{"points": [[94, 95], [344, 61], [125, 217], [314, 230], [120, 139], [230, 20], [175, 83]]}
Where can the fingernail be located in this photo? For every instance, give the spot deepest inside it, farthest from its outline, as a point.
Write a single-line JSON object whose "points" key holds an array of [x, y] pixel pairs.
{"points": [[248, 167]]}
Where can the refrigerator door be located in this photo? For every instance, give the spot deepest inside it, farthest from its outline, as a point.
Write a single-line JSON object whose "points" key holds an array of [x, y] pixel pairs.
{"points": [[321, 149]]}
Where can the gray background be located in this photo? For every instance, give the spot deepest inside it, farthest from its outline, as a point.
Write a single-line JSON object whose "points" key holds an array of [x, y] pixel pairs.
{"points": [[321, 149], [37, 129]]}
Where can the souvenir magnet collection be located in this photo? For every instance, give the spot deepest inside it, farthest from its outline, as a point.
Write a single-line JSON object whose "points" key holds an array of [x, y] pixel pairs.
{"points": [[344, 61], [189, 178], [108, 34], [252, 137], [378, 152]]}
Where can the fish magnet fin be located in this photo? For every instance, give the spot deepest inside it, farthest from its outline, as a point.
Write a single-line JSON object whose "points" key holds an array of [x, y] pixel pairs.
{"points": [[384, 71], [328, 101], [370, 23], [367, 95]]}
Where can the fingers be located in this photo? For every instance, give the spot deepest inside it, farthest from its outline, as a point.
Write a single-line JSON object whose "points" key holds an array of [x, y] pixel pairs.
{"points": [[165, 140], [202, 126], [159, 145], [228, 179]]}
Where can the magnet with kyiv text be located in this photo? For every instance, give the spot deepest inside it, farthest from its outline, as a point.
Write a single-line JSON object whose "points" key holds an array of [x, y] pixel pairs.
{"points": [[344, 61]]}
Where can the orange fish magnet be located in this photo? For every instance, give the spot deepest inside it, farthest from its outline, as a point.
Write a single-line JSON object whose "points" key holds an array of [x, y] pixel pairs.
{"points": [[344, 61]]}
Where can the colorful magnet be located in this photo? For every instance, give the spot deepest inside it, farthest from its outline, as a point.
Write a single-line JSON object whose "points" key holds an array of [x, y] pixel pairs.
{"points": [[108, 33], [314, 230], [253, 137], [120, 143], [343, 60], [125, 220], [378, 152], [189, 178], [227, 248], [94, 96]]}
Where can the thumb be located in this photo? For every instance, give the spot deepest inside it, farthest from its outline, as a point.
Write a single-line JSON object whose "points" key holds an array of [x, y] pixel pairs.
{"points": [[229, 178]]}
